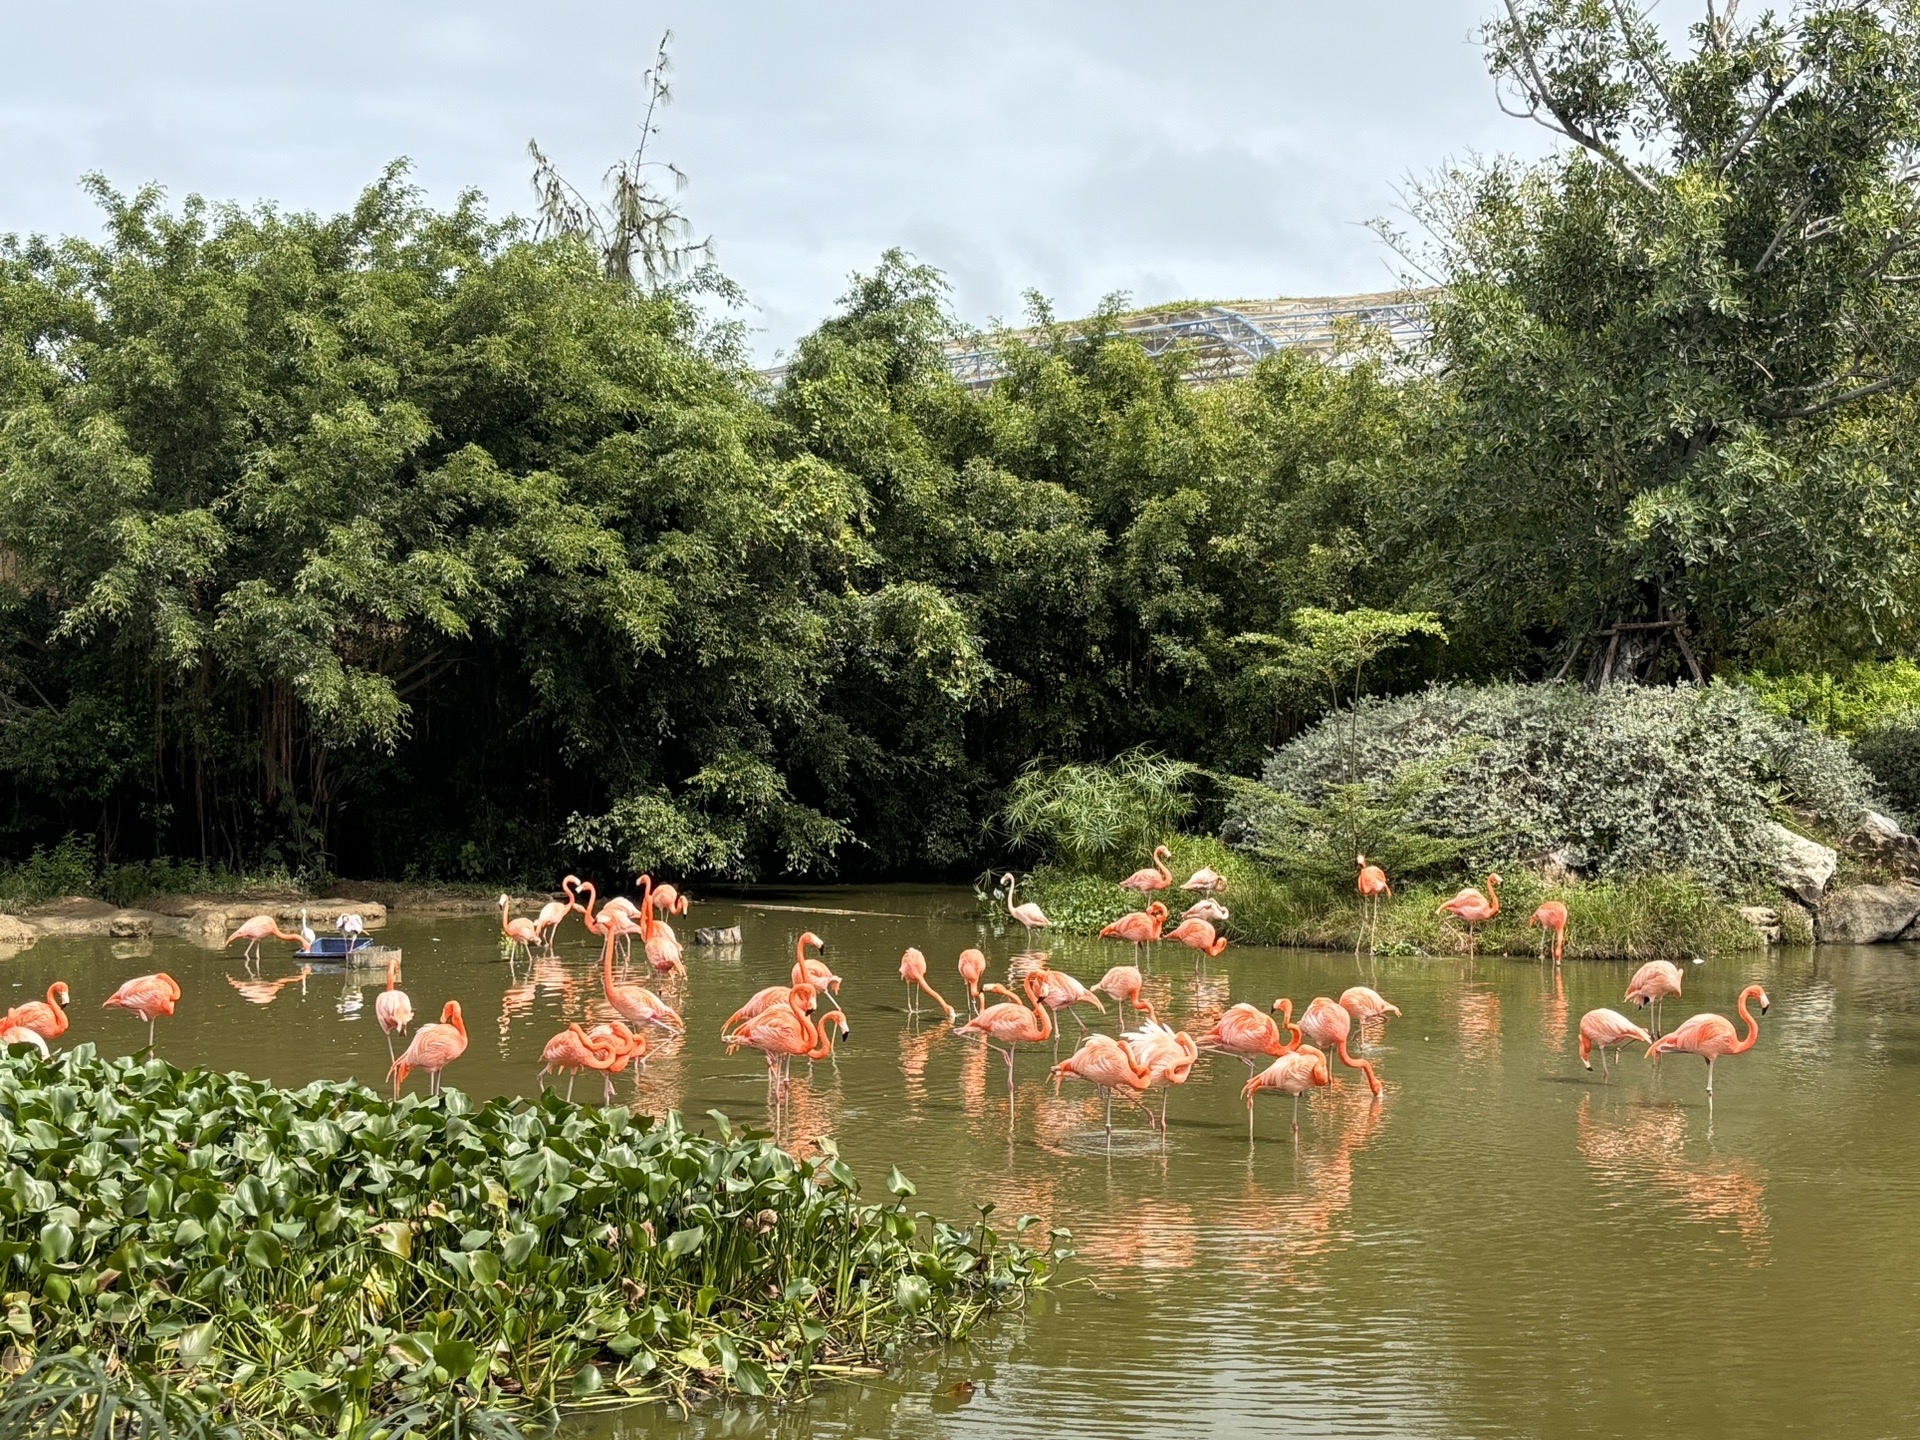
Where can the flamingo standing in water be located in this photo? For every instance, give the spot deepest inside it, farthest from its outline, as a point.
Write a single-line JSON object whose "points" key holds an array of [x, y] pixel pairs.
{"points": [[1328, 1026], [1058, 990], [1247, 1031], [1029, 915], [547, 923], [973, 969], [1294, 1073], [812, 971], [45, 1017], [913, 970], [1010, 1023], [519, 930], [1167, 1055], [1159, 877], [1104, 1061], [1551, 917], [1604, 1029], [802, 996], [1653, 982], [148, 996], [392, 1007], [1199, 935], [1123, 983], [260, 927], [634, 1004], [1363, 1004], [435, 1046], [779, 1032], [1138, 927], [574, 1050], [1711, 1036], [1473, 907], [661, 944], [1374, 891]]}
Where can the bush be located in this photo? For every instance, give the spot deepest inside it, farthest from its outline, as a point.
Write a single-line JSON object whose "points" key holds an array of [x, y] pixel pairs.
{"points": [[1891, 754], [1085, 814], [1641, 780], [1862, 699], [67, 869]]}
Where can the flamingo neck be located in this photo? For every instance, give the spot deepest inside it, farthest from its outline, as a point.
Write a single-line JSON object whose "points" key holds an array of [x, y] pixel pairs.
{"points": [[1747, 1041], [1493, 896], [1161, 865], [1010, 884], [592, 904], [646, 908]]}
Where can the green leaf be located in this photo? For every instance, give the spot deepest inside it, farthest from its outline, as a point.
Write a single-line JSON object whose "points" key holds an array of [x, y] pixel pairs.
{"points": [[682, 1243], [263, 1250], [898, 1184]]}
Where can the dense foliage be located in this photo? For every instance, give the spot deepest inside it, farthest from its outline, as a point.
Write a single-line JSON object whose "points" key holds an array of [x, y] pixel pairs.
{"points": [[338, 1263]]}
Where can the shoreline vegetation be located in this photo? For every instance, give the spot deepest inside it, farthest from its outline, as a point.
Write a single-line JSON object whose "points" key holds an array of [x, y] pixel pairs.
{"points": [[321, 1261]]}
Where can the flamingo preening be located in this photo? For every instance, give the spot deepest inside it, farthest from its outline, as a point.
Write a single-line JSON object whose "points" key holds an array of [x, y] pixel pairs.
{"points": [[45, 1017], [1711, 1036], [392, 1008], [519, 931], [1473, 908], [435, 1046], [1104, 1061], [1207, 880], [1247, 1031], [1653, 982], [1208, 909], [1138, 927], [1158, 877], [1199, 935], [973, 969], [1167, 1055], [1123, 983]]}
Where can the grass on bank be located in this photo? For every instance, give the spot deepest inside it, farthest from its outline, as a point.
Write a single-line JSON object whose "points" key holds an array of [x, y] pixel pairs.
{"points": [[324, 1262], [1655, 917]]}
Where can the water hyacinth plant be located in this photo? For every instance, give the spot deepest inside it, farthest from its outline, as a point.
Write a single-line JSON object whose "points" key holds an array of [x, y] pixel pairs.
{"points": [[323, 1261]]}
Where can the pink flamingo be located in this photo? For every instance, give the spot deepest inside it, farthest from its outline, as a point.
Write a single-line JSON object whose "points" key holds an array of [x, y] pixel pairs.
{"points": [[148, 996], [571, 1051], [1058, 990], [519, 930], [913, 970], [1029, 915], [1653, 982], [802, 996], [1294, 1073], [434, 1047], [779, 1032], [44, 1017], [554, 911], [261, 927], [1711, 1036], [1551, 917], [1159, 877], [634, 1004], [1208, 909], [1365, 1004], [1473, 907], [1247, 1031], [1102, 1060], [1374, 891], [1166, 1054], [808, 970], [1327, 1026], [1600, 1029], [973, 969], [1207, 880], [1199, 935], [392, 1007], [1123, 983], [11, 1034], [1138, 927], [1011, 1023], [668, 901]]}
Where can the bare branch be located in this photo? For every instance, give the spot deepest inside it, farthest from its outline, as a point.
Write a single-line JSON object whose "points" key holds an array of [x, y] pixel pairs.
{"points": [[1862, 392]]}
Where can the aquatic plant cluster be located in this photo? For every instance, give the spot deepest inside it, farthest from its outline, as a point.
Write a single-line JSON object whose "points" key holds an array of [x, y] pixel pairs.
{"points": [[327, 1262]]}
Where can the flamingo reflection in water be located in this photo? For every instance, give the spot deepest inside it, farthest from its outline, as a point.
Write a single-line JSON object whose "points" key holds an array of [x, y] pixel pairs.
{"points": [[1276, 1233], [1643, 1157], [264, 992], [1479, 1026]]}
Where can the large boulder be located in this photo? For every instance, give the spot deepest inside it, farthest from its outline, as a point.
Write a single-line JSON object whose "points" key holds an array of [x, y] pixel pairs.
{"points": [[1803, 866], [1867, 914]]}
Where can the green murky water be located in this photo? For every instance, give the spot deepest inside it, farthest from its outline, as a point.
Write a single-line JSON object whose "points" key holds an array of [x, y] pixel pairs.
{"points": [[1501, 1246]]}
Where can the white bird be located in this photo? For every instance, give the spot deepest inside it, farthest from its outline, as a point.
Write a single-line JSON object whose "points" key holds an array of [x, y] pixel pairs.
{"points": [[307, 937], [351, 926]]}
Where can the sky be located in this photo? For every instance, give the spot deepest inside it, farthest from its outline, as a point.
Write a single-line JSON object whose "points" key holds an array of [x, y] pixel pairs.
{"points": [[1206, 150]]}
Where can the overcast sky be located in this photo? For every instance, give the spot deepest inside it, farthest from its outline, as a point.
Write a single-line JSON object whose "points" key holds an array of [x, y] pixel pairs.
{"points": [[1199, 150]]}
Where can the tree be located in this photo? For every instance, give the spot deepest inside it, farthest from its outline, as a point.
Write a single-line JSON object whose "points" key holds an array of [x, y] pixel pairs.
{"points": [[1678, 356]]}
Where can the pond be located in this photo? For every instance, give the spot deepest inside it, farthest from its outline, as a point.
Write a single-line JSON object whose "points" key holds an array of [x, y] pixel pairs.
{"points": [[1502, 1245]]}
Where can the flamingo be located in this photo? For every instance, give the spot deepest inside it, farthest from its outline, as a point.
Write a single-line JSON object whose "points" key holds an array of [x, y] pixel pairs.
{"points": [[307, 937], [779, 1032], [519, 930], [913, 970], [668, 901], [574, 1050], [1602, 1028], [24, 1035], [811, 971], [1156, 878], [1653, 982], [351, 925], [1059, 990], [1198, 934], [547, 923], [1030, 915], [1711, 1036], [260, 927], [1208, 909], [973, 969], [1473, 907], [802, 996], [634, 1004], [625, 1048], [1207, 880], [1373, 888], [149, 997], [1011, 1023], [1104, 1061], [1364, 1004], [1167, 1055], [1123, 983], [1293, 1074], [1246, 1031], [392, 1007], [662, 946], [1138, 927], [435, 1046], [45, 1018], [1551, 916], [1327, 1026]]}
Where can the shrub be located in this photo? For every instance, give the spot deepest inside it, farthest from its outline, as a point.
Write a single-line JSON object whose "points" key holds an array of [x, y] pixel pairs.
{"points": [[1891, 754], [1862, 699], [67, 869], [1641, 780], [1084, 814]]}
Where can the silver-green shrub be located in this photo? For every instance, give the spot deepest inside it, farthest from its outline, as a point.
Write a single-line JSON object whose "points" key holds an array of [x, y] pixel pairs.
{"points": [[1635, 780]]}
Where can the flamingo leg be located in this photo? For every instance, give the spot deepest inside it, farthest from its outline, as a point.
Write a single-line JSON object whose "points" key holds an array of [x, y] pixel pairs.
{"points": [[150, 1044], [390, 1054], [1709, 1076], [1249, 1119], [1077, 1020], [1296, 1115]]}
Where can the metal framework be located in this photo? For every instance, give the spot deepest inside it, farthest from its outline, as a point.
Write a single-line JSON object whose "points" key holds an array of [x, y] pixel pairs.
{"points": [[1221, 341]]}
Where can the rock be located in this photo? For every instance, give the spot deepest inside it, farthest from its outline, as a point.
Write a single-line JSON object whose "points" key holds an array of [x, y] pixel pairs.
{"points": [[1882, 825], [717, 935], [1867, 914], [130, 925], [211, 921], [1885, 846], [1562, 865], [1764, 920], [15, 935], [78, 915], [1804, 866]]}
